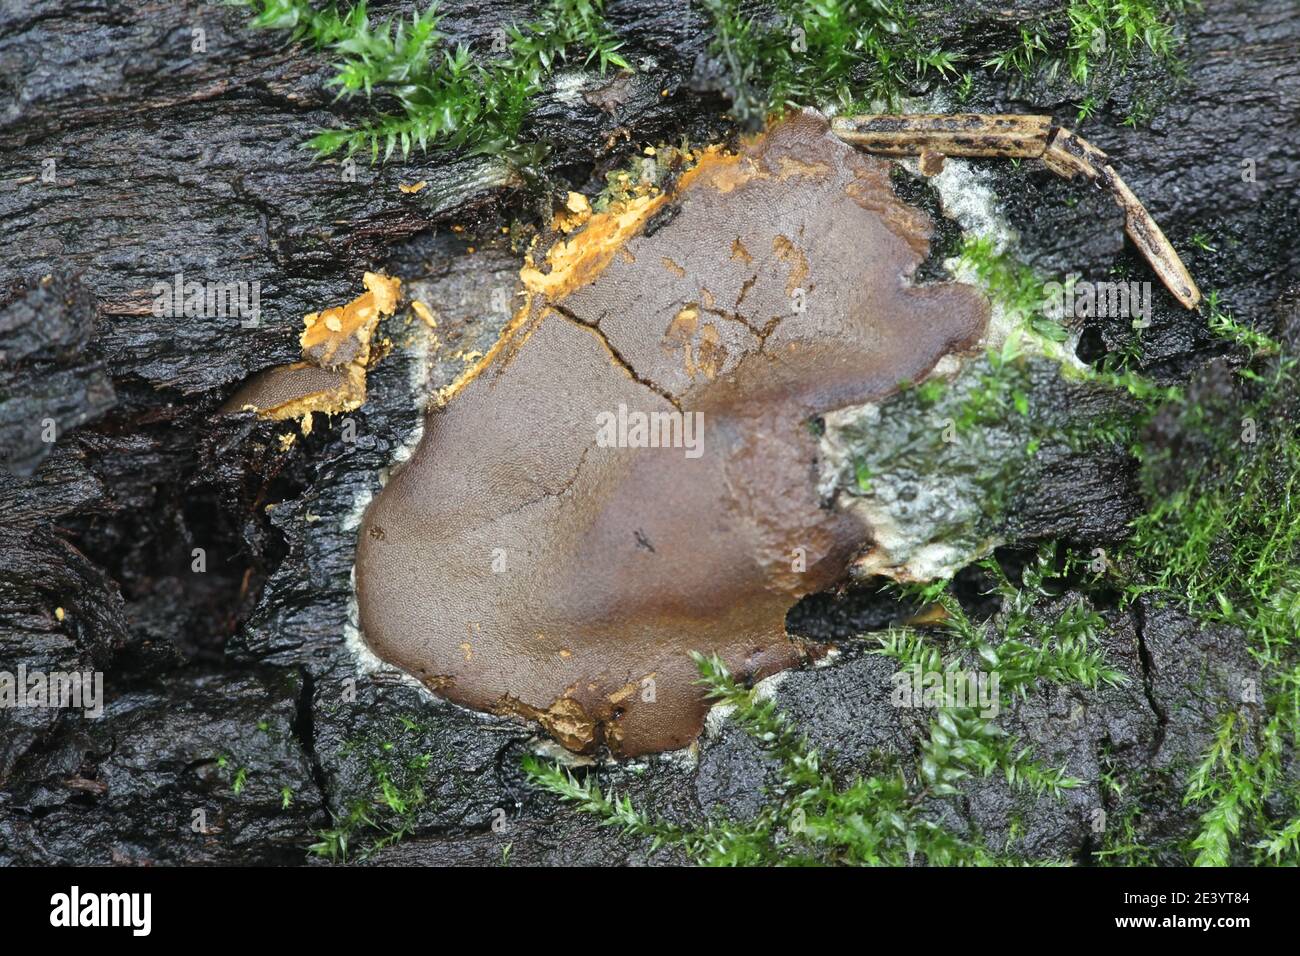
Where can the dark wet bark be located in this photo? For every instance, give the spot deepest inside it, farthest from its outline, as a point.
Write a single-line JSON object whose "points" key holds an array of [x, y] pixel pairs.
{"points": [[168, 161]]}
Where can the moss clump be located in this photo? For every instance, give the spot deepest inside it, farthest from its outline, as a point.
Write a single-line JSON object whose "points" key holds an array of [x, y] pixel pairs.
{"points": [[448, 97], [865, 55], [847, 54], [1222, 538], [1015, 288], [1086, 34], [818, 52], [1095, 44]]}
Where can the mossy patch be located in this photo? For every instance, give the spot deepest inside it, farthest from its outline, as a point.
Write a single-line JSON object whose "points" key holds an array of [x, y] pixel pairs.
{"points": [[448, 97], [815, 815], [1222, 539]]}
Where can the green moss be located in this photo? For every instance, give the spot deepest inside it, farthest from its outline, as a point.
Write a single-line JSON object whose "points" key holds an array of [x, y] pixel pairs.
{"points": [[1025, 55], [965, 87], [862, 476], [239, 780], [1085, 33], [1095, 44], [821, 52], [1223, 540], [1026, 642], [886, 818], [1012, 285], [1021, 295], [853, 55], [449, 97], [389, 814]]}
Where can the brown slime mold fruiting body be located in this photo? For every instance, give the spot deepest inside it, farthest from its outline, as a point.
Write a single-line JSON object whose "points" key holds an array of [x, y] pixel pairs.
{"points": [[516, 564], [336, 352]]}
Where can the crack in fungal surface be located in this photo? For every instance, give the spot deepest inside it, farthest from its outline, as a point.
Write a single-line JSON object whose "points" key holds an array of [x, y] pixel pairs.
{"points": [[627, 476]]}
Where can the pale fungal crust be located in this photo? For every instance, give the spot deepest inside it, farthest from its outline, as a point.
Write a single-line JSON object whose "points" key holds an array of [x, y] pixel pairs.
{"points": [[336, 350], [572, 263], [517, 564], [924, 526], [1063, 151]]}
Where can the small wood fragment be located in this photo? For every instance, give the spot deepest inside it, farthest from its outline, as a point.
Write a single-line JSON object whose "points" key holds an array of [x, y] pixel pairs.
{"points": [[956, 134], [932, 136], [1146, 235]]}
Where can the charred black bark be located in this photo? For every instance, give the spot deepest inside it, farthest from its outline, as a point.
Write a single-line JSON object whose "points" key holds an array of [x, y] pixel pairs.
{"points": [[128, 159]]}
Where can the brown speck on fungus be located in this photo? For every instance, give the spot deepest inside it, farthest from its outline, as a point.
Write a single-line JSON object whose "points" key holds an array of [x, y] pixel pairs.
{"points": [[931, 162], [514, 518]]}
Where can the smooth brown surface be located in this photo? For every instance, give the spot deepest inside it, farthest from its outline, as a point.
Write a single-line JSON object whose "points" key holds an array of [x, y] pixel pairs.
{"points": [[291, 391], [776, 292]]}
